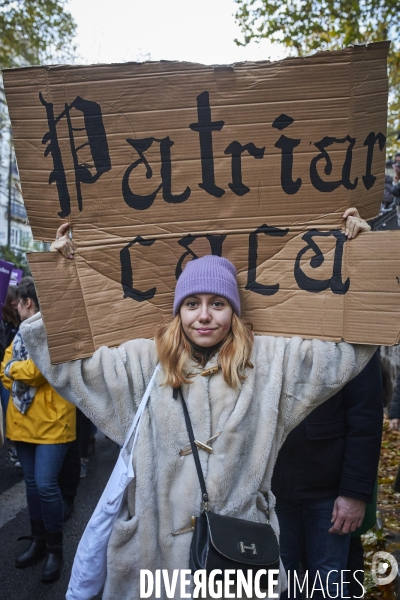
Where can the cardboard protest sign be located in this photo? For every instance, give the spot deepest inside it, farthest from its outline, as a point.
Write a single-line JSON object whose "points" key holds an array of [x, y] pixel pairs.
{"points": [[155, 164]]}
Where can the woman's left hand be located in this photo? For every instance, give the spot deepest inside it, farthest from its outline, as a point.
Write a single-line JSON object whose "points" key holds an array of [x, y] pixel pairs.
{"points": [[354, 223], [63, 243]]}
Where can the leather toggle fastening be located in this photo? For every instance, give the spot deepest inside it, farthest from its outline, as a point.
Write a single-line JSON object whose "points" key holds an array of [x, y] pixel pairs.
{"points": [[201, 445]]}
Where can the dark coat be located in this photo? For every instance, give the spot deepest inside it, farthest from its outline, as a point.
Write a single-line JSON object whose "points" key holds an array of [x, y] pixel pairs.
{"points": [[395, 189], [387, 192], [394, 410], [335, 450]]}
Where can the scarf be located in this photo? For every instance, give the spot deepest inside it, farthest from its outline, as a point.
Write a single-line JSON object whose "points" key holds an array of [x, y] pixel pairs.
{"points": [[202, 354], [21, 394]]}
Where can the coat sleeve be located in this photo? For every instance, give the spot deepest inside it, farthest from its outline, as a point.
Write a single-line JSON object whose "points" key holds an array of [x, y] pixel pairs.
{"points": [[364, 418], [396, 189], [313, 371], [27, 372], [107, 387], [6, 381]]}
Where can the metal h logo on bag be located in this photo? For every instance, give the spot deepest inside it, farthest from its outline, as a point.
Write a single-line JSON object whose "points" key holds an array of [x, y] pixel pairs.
{"points": [[249, 550]]}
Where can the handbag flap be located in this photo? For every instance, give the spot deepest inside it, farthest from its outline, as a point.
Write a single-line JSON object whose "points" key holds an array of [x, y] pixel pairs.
{"points": [[243, 541]]}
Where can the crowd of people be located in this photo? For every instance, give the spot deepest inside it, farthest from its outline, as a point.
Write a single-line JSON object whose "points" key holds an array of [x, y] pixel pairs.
{"points": [[287, 428], [391, 196]]}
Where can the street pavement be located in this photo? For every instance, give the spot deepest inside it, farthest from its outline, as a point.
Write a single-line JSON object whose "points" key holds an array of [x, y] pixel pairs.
{"points": [[25, 584]]}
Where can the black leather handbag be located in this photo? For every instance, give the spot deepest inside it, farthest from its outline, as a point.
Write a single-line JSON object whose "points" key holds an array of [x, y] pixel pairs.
{"points": [[221, 542]]}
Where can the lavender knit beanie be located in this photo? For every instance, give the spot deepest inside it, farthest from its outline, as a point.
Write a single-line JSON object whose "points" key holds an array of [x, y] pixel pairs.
{"points": [[208, 275]]}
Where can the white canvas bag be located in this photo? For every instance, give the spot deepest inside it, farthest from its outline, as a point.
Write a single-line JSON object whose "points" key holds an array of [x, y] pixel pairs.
{"points": [[90, 564]]}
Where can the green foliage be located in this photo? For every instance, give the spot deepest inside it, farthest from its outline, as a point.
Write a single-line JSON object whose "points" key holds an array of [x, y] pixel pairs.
{"points": [[17, 258], [34, 32], [305, 26], [393, 132]]}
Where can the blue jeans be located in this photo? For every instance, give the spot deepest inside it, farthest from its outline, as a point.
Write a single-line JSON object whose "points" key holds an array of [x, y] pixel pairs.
{"points": [[41, 465], [4, 396], [304, 529]]}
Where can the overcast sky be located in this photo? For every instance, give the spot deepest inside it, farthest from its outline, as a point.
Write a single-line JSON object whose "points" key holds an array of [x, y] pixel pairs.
{"points": [[190, 30]]}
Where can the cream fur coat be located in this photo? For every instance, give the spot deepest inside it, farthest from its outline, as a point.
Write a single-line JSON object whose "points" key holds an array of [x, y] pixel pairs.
{"points": [[291, 376]]}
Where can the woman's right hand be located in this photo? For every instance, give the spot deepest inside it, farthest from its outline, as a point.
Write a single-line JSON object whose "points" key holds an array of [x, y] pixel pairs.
{"points": [[394, 424], [63, 243]]}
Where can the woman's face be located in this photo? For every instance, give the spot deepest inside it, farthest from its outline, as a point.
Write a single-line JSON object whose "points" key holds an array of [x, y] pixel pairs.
{"points": [[206, 319], [26, 308]]}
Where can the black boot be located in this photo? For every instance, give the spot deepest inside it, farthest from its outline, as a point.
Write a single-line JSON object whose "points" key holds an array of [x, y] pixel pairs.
{"points": [[37, 547], [54, 558], [69, 509]]}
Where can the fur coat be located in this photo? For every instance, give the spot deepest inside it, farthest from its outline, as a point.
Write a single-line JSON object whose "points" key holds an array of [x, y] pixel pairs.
{"points": [[291, 376]]}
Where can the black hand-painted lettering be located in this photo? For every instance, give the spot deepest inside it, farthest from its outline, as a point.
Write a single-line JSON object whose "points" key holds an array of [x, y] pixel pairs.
{"points": [[287, 145], [282, 122], [330, 186], [370, 141], [236, 150], [252, 284], [165, 150], [205, 127], [96, 141], [53, 148], [138, 201], [127, 276], [335, 282], [215, 242]]}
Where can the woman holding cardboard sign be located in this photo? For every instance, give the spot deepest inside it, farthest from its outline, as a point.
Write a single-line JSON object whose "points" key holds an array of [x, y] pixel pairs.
{"points": [[221, 404]]}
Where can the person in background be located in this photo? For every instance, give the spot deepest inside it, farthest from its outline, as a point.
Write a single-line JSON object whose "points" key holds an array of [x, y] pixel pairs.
{"points": [[324, 476], [74, 467], [396, 167], [395, 188], [85, 426], [69, 476], [394, 410], [42, 425], [11, 318], [9, 325], [355, 560], [388, 198], [394, 417], [75, 463]]}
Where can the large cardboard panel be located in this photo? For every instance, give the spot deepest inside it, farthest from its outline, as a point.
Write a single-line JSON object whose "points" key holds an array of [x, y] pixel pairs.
{"points": [[98, 312], [154, 164]]}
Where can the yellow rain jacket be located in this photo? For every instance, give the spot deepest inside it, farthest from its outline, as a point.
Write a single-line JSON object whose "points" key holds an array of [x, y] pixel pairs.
{"points": [[49, 420]]}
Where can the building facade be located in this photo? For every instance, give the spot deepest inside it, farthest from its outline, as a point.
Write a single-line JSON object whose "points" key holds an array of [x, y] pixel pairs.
{"points": [[15, 231]]}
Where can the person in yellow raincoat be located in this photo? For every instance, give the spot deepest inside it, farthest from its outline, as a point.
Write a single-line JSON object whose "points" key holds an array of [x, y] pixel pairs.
{"points": [[42, 424]]}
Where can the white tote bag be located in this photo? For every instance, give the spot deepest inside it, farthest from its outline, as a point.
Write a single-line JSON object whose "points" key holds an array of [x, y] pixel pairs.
{"points": [[90, 565]]}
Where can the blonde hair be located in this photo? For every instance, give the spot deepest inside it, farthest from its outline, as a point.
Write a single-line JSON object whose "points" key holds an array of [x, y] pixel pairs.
{"points": [[174, 350]]}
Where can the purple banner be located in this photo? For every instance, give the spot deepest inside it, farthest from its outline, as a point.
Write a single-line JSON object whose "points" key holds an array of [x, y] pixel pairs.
{"points": [[5, 276], [16, 276]]}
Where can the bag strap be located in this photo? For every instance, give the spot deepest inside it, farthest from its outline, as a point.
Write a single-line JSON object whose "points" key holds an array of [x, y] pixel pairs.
{"points": [[204, 504], [136, 424]]}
